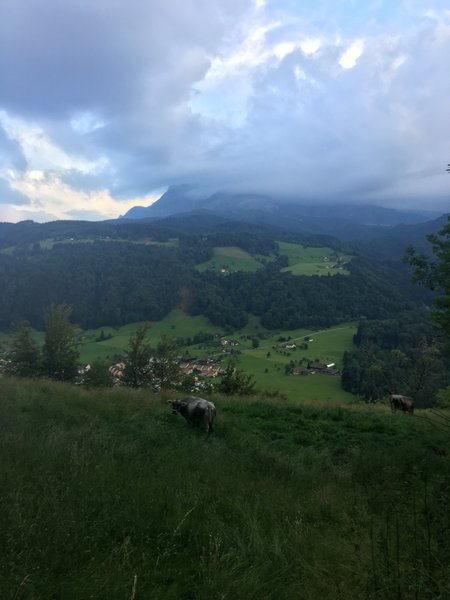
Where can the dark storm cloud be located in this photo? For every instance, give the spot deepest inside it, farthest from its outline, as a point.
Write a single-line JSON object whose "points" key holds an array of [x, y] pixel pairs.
{"points": [[103, 54], [141, 95], [9, 196], [316, 130], [10, 153]]}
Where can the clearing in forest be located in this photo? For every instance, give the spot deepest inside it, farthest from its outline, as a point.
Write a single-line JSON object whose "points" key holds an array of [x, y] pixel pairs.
{"points": [[228, 259], [305, 260]]}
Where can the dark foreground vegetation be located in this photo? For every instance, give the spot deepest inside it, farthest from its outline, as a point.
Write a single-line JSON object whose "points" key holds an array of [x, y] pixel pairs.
{"points": [[107, 495], [406, 353]]}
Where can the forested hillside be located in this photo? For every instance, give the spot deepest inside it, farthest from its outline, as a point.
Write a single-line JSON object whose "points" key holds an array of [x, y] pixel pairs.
{"points": [[143, 272]]}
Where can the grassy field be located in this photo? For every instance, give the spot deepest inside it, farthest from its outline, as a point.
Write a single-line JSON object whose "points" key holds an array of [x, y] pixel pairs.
{"points": [[177, 324], [106, 495], [268, 365], [327, 346], [311, 261], [48, 243], [302, 260], [231, 259]]}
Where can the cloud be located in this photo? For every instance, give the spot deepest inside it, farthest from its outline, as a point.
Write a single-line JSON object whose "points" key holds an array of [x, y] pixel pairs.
{"points": [[40, 152], [355, 133], [350, 57], [48, 193], [103, 106], [9, 196]]}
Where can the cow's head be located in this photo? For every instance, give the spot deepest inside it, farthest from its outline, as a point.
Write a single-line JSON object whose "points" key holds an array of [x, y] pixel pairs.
{"points": [[177, 405]]}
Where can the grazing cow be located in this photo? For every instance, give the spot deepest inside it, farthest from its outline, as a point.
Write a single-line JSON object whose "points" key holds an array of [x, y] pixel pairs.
{"points": [[196, 411], [404, 403]]}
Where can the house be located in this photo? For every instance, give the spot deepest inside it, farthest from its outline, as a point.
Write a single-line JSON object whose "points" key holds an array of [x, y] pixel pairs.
{"points": [[317, 367], [207, 370], [299, 371], [290, 346], [3, 364], [203, 368], [226, 342], [117, 370], [186, 358]]}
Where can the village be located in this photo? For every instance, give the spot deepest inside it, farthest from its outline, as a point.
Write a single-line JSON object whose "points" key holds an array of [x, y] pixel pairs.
{"points": [[206, 368], [202, 370]]}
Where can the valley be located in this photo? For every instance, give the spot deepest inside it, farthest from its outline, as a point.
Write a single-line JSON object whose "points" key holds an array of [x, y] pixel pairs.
{"points": [[309, 487], [270, 291], [267, 363]]}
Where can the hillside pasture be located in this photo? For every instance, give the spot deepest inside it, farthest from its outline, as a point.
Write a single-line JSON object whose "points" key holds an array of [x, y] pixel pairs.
{"points": [[327, 346], [48, 243], [228, 259], [106, 494], [296, 388], [307, 260], [175, 325], [268, 364]]}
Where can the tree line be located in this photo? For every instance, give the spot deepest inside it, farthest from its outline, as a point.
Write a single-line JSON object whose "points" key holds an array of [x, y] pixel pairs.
{"points": [[409, 354], [404, 355]]}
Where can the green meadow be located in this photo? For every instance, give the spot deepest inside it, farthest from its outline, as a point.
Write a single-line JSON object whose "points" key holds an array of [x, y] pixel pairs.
{"points": [[107, 495], [312, 261], [302, 260], [327, 346], [230, 259], [268, 364], [177, 324], [48, 243]]}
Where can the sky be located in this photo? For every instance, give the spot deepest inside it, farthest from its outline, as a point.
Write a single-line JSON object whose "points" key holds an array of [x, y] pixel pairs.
{"points": [[106, 103]]}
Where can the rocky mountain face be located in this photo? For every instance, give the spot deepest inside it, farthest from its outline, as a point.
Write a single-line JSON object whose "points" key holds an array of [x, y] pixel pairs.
{"points": [[346, 221]]}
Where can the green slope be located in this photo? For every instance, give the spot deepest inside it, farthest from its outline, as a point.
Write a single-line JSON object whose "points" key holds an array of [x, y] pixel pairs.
{"points": [[108, 495]]}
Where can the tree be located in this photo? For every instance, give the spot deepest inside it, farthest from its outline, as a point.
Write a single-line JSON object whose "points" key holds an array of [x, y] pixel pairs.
{"points": [[137, 365], [435, 274], [164, 367], [59, 354], [187, 383], [235, 382], [24, 355], [98, 375]]}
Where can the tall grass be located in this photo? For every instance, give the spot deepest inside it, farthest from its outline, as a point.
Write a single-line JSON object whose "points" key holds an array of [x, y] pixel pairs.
{"points": [[108, 495]]}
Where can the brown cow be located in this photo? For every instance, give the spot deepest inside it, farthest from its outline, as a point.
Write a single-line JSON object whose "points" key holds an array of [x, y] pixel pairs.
{"points": [[196, 411], [404, 403]]}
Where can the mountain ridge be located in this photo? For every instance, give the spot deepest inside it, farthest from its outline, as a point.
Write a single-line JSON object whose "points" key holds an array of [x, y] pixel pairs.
{"points": [[263, 209]]}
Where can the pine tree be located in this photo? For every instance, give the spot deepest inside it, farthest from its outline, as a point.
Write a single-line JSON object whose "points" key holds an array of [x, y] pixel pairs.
{"points": [[435, 274], [235, 382], [98, 375], [59, 354], [24, 353], [164, 367], [137, 365]]}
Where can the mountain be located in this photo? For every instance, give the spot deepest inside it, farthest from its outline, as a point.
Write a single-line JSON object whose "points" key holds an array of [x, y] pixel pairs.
{"points": [[392, 242], [177, 199], [346, 221]]}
